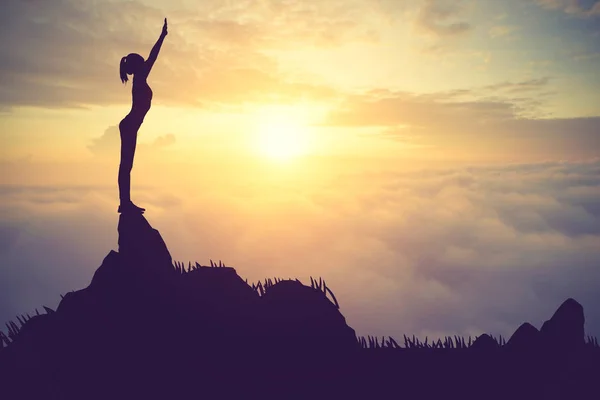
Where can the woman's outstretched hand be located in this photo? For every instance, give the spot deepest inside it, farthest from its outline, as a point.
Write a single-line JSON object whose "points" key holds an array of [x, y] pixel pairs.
{"points": [[164, 31]]}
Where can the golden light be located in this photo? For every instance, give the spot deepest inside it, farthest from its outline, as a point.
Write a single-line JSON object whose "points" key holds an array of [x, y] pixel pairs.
{"points": [[282, 136]]}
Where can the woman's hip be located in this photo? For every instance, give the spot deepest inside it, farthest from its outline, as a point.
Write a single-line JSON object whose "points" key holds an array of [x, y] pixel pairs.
{"points": [[130, 124]]}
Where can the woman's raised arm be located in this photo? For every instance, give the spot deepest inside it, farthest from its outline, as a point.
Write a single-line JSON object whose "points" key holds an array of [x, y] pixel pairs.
{"points": [[155, 50]]}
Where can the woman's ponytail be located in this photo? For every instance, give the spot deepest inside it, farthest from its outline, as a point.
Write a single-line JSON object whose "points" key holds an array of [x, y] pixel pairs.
{"points": [[123, 70]]}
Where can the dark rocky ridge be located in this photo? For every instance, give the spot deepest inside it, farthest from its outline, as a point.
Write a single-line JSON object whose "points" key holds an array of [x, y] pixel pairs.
{"points": [[143, 329]]}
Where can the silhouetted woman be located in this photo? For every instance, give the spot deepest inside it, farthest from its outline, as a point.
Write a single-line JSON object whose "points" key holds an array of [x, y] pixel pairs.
{"points": [[135, 65]]}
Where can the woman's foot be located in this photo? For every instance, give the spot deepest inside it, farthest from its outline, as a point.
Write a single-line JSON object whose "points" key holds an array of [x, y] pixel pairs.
{"points": [[130, 207]]}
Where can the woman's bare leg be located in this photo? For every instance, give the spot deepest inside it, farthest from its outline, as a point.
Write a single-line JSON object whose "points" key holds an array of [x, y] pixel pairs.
{"points": [[128, 143]]}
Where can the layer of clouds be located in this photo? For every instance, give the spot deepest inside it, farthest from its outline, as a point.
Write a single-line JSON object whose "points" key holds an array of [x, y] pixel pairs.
{"points": [[438, 251], [502, 101], [513, 113], [66, 53], [387, 108]]}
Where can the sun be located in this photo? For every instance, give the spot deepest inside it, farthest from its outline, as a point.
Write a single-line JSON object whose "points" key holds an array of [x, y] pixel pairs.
{"points": [[281, 137]]}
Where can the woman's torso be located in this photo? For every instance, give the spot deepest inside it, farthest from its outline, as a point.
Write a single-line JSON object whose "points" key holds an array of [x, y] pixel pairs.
{"points": [[142, 97]]}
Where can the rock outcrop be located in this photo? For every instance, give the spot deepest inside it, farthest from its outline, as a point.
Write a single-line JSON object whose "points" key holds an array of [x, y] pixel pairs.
{"points": [[565, 330], [300, 312], [142, 246], [143, 319], [485, 342], [525, 339]]}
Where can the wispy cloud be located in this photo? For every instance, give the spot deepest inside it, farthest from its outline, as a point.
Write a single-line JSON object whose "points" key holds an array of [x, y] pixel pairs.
{"points": [[502, 31], [572, 7], [530, 85], [442, 18], [481, 120], [465, 107]]}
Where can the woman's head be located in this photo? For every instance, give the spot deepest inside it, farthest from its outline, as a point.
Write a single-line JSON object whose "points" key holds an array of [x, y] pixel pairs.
{"points": [[130, 65]]}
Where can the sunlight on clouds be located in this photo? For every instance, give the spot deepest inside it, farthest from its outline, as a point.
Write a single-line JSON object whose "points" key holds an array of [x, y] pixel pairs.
{"points": [[454, 251]]}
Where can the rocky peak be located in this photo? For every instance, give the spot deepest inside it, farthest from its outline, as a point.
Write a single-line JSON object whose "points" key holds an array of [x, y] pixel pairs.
{"points": [[142, 246]]}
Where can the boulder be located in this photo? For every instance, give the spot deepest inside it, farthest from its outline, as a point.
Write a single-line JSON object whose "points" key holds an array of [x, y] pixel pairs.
{"points": [[485, 342], [526, 338], [565, 330]]}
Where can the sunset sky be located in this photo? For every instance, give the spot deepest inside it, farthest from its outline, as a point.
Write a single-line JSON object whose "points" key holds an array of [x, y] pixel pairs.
{"points": [[436, 161]]}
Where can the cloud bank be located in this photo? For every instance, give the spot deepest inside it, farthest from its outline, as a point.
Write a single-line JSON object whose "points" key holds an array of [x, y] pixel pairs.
{"points": [[457, 250]]}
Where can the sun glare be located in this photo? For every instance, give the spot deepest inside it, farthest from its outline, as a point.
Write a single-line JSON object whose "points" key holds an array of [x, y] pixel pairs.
{"points": [[281, 136]]}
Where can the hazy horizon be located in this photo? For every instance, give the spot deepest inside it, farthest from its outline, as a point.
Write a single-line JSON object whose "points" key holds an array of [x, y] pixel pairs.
{"points": [[436, 162]]}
